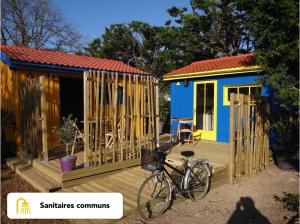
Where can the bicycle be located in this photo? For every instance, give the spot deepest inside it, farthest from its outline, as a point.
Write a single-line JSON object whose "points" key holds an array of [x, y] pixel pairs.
{"points": [[156, 193]]}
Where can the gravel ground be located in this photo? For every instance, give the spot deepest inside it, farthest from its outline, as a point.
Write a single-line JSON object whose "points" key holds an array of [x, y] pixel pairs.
{"points": [[257, 200], [10, 182]]}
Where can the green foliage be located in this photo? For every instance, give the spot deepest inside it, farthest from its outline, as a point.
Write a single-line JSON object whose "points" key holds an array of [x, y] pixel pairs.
{"points": [[291, 203], [217, 28], [211, 29], [274, 26], [164, 106], [66, 132]]}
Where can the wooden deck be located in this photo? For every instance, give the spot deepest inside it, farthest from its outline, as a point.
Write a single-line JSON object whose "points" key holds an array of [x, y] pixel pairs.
{"points": [[216, 153], [129, 181], [48, 177]]}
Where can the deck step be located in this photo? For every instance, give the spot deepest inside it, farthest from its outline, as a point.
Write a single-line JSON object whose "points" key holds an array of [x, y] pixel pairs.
{"points": [[15, 163], [49, 169], [39, 180]]}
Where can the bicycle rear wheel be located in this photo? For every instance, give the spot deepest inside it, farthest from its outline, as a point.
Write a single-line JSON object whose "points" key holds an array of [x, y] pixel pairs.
{"points": [[198, 180], [154, 196]]}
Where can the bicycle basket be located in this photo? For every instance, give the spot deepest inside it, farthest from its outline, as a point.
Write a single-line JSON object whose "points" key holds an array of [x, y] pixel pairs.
{"points": [[151, 160]]}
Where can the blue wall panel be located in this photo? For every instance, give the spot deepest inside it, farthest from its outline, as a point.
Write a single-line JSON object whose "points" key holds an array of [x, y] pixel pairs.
{"points": [[182, 100]]}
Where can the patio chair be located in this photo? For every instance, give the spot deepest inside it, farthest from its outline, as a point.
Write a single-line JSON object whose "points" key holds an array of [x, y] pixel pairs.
{"points": [[109, 136], [79, 135], [185, 127]]}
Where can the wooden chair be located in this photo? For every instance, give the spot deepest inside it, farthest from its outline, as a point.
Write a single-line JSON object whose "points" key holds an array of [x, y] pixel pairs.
{"points": [[79, 135], [185, 127], [109, 136]]}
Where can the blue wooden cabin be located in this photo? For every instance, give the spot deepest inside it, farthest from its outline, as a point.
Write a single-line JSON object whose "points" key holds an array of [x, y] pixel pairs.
{"points": [[201, 91]]}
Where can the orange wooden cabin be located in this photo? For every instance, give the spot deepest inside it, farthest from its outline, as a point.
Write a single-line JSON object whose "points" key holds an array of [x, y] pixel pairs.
{"points": [[63, 86]]}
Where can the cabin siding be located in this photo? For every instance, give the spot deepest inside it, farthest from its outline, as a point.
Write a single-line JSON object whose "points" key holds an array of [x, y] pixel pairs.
{"points": [[181, 102], [10, 101], [182, 98]]}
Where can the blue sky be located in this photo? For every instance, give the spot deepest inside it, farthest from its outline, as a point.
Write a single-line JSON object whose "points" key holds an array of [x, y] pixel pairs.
{"points": [[92, 16]]}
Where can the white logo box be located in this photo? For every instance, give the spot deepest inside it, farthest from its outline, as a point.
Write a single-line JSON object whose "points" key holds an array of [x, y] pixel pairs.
{"points": [[65, 205]]}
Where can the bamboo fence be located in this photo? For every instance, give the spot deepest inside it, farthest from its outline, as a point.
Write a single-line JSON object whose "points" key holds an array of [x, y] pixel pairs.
{"points": [[249, 136], [120, 116]]}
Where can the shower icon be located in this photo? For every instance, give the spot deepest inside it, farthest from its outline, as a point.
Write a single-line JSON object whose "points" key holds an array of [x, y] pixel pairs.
{"points": [[24, 208]]}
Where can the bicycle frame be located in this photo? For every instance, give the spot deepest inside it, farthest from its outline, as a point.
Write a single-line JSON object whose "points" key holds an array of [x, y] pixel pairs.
{"points": [[182, 173]]}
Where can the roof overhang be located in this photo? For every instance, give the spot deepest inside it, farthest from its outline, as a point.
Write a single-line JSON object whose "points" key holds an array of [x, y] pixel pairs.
{"points": [[13, 64], [220, 72]]}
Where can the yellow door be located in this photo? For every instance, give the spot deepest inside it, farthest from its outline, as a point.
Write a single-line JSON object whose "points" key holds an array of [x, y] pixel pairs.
{"points": [[205, 110]]}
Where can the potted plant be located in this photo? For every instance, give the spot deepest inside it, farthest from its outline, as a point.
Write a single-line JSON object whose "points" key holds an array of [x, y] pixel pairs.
{"points": [[66, 134]]}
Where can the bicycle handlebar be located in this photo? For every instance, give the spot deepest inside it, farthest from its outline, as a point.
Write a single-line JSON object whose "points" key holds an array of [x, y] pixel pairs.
{"points": [[172, 143]]}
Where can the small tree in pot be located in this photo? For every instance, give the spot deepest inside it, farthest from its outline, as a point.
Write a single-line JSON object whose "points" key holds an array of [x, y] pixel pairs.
{"points": [[66, 134]]}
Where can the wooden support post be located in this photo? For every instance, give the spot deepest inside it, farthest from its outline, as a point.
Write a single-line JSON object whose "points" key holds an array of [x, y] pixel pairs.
{"points": [[261, 139], [132, 147], [123, 120], [97, 133], [237, 125], [115, 111], [252, 137], [138, 109], [267, 132], [127, 115], [156, 111], [86, 116], [247, 137], [240, 138], [44, 119], [152, 120], [148, 108], [255, 155], [144, 110], [101, 118], [232, 140]]}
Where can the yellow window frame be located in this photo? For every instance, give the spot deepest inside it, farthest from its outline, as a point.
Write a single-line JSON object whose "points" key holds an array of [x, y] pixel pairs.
{"points": [[226, 102]]}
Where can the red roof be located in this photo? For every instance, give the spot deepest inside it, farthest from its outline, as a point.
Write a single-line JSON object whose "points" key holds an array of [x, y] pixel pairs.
{"points": [[243, 60], [48, 57]]}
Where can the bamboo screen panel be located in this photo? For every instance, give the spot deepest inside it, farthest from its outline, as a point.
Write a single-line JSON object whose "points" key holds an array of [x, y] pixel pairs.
{"points": [[120, 116], [249, 136]]}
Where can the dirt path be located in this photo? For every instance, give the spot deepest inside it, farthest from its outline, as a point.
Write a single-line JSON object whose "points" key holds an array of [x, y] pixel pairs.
{"points": [[253, 201]]}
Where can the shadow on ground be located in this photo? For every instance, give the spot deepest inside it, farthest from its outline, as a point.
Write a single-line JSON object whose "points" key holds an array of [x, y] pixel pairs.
{"points": [[246, 213]]}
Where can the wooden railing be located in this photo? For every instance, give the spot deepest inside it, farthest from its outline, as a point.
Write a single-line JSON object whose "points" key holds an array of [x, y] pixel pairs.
{"points": [[249, 136]]}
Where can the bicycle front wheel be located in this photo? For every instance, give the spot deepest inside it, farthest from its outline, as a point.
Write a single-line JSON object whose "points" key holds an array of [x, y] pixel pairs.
{"points": [[198, 179], [154, 196]]}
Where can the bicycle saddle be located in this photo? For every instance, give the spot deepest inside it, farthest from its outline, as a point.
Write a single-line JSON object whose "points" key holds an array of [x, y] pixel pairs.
{"points": [[187, 153]]}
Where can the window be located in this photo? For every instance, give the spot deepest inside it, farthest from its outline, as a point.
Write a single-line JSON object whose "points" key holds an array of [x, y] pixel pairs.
{"points": [[253, 90]]}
